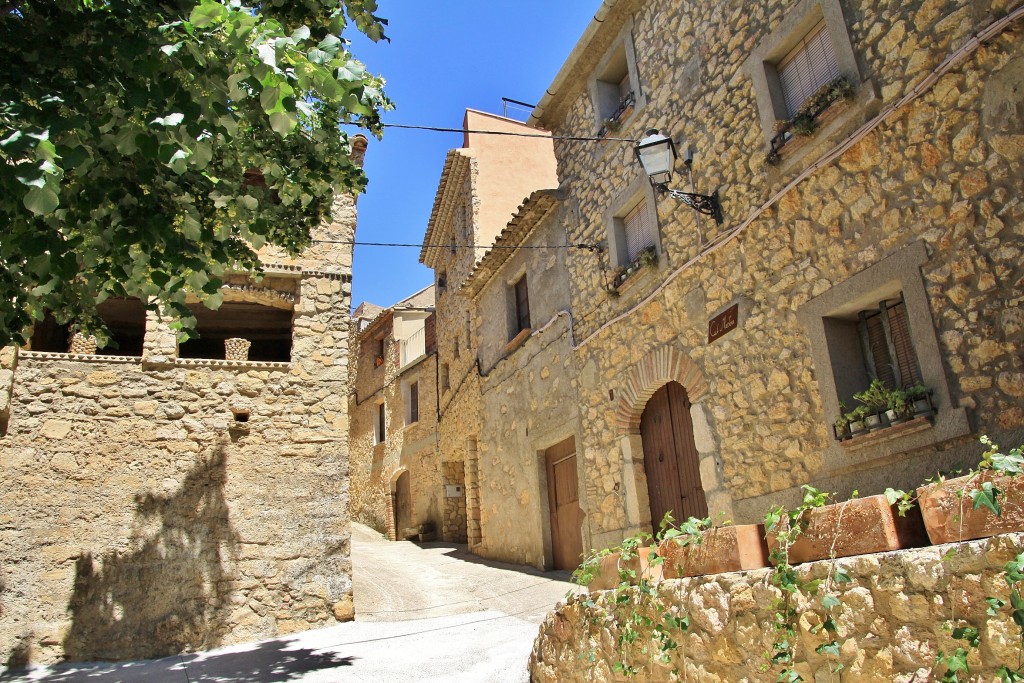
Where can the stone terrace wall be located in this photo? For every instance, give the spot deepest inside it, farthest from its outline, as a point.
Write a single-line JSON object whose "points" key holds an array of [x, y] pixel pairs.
{"points": [[945, 170], [140, 519], [889, 622]]}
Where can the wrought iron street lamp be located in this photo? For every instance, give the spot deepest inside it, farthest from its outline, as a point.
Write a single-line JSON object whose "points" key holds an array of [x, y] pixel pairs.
{"points": [[657, 155]]}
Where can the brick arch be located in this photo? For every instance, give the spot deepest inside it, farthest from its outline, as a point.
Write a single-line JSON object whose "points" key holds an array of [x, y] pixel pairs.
{"points": [[393, 481], [658, 368]]}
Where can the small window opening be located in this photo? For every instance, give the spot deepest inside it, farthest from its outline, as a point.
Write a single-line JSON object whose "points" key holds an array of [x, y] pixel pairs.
{"points": [[380, 424], [241, 415], [412, 403], [521, 296], [125, 319], [380, 345], [5, 421], [615, 91], [445, 385], [269, 330]]}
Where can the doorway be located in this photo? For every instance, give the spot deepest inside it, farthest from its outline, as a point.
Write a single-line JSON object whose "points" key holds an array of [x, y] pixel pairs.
{"points": [[563, 504], [670, 456], [402, 504]]}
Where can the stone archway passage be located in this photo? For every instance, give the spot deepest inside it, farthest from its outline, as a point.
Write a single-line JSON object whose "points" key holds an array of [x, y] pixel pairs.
{"points": [[670, 456]]}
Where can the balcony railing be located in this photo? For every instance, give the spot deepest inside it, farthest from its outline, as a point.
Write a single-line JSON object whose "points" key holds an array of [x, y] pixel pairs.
{"points": [[414, 346]]}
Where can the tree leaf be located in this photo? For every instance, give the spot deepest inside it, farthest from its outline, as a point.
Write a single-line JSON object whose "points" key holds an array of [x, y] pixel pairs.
{"points": [[208, 13], [169, 120], [986, 495], [282, 123], [41, 200]]}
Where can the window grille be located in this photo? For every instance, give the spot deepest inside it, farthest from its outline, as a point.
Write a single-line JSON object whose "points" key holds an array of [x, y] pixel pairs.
{"points": [[808, 66], [639, 231]]}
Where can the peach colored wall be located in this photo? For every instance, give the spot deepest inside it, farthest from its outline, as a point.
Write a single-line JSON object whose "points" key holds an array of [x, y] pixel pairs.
{"points": [[509, 169]]}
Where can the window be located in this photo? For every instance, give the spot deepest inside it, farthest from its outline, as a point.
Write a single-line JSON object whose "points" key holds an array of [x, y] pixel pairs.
{"points": [[521, 307], [810, 65], [445, 385], [380, 424], [878, 323], [455, 351], [268, 328], [614, 89], [886, 341], [809, 48], [125, 320], [412, 403], [615, 85], [633, 237], [380, 351], [442, 282], [469, 330], [638, 230]]}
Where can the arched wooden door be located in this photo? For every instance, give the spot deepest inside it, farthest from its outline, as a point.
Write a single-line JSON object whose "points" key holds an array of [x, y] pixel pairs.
{"points": [[402, 504], [670, 456]]}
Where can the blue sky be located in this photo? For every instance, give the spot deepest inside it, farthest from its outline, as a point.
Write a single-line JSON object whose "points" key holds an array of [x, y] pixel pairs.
{"points": [[444, 57]]}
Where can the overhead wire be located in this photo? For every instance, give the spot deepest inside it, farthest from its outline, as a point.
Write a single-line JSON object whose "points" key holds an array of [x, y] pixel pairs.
{"points": [[577, 245], [571, 138]]}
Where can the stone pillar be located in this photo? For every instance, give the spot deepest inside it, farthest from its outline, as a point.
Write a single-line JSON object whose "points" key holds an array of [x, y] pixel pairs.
{"points": [[473, 529]]}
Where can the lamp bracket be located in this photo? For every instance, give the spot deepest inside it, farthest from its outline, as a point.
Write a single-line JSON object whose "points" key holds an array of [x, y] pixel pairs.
{"points": [[701, 203]]}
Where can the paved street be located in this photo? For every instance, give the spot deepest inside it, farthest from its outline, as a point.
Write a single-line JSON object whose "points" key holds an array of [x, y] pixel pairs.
{"points": [[424, 613]]}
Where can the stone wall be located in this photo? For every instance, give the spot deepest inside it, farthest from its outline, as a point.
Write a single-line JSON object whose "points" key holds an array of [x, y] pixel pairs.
{"points": [[528, 397], [410, 448], [157, 505], [891, 622], [455, 527], [942, 173]]}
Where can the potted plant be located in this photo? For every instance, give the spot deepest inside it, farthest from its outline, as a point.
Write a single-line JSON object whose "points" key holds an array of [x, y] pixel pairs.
{"points": [[854, 527], [841, 425], [900, 407], [875, 399], [856, 419], [920, 396], [624, 564], [986, 501], [696, 548]]}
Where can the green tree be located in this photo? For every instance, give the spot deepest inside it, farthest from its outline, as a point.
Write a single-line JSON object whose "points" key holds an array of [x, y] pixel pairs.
{"points": [[149, 146]]}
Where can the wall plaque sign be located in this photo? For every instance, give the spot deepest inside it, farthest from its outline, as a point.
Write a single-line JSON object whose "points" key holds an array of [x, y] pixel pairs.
{"points": [[724, 322]]}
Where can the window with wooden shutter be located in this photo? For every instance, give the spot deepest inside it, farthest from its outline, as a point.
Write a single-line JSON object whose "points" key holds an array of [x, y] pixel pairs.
{"points": [[808, 66], [639, 231], [414, 402], [888, 347], [522, 299]]}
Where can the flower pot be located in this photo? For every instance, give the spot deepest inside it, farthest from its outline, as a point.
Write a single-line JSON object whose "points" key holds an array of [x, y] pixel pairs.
{"points": [[896, 418], [856, 527], [610, 567], [922, 406], [82, 343], [722, 549], [949, 515], [236, 349], [873, 422], [858, 428]]}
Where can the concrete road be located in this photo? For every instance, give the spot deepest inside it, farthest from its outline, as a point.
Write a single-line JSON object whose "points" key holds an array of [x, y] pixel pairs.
{"points": [[424, 613]]}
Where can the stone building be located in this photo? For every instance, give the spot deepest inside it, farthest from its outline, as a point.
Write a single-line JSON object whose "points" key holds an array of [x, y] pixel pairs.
{"points": [[530, 510], [396, 476], [868, 157], [481, 186], [166, 499]]}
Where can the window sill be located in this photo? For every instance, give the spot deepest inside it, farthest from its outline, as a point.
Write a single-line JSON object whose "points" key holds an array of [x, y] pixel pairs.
{"points": [[234, 364], [77, 357], [884, 446], [831, 124], [918, 424], [517, 340]]}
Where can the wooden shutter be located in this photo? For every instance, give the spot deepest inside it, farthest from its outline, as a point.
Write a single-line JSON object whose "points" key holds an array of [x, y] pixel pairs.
{"points": [[906, 357], [522, 304], [639, 231], [880, 350], [810, 65]]}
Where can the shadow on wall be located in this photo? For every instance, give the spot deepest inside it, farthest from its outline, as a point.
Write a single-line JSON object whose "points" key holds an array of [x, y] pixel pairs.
{"points": [[275, 661], [172, 593]]}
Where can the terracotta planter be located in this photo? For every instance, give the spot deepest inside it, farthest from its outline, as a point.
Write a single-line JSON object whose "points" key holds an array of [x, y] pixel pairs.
{"points": [[856, 527], [950, 518], [722, 549], [608, 570]]}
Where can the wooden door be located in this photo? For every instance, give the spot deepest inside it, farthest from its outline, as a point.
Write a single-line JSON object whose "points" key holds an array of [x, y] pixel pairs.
{"points": [[670, 456], [402, 504], [563, 502]]}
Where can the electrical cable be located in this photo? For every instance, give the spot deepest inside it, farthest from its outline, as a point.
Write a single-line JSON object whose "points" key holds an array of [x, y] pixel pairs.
{"points": [[438, 129], [578, 245]]}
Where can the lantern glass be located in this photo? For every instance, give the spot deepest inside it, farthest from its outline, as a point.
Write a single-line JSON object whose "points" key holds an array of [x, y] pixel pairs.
{"points": [[657, 155]]}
